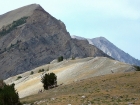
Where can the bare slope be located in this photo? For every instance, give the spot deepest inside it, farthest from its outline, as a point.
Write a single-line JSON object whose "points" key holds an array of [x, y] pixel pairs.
{"points": [[67, 72]]}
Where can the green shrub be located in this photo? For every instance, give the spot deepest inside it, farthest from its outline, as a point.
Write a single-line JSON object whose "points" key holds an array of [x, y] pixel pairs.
{"points": [[41, 70], [73, 58], [137, 68], [59, 59], [31, 73], [19, 77], [12, 26], [1, 83], [8, 95]]}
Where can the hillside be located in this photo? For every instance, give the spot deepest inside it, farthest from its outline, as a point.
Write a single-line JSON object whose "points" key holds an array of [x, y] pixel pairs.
{"points": [[111, 50], [31, 40], [67, 72], [31, 37], [113, 89]]}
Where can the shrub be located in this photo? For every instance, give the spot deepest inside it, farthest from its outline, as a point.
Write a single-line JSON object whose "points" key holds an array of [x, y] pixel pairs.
{"points": [[73, 58], [59, 59], [41, 70], [8, 95], [137, 68], [12, 26], [31, 73], [19, 77], [49, 80], [1, 83]]}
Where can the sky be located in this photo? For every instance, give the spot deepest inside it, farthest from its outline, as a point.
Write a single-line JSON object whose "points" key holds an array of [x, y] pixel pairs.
{"points": [[116, 20]]}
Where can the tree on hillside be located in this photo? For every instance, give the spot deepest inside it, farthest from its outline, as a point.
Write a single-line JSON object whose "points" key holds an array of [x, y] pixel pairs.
{"points": [[31, 73], [137, 68], [49, 80], [8, 94], [59, 59]]}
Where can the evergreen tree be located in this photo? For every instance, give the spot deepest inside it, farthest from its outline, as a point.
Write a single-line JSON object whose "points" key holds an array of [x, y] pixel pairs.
{"points": [[8, 94], [45, 81], [52, 78], [49, 80], [59, 59], [31, 73]]}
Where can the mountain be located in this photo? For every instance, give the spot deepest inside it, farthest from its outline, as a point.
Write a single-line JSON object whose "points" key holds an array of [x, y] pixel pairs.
{"points": [[111, 50], [31, 37]]}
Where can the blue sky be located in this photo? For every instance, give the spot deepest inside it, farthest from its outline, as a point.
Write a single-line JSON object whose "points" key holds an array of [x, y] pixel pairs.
{"points": [[116, 20]]}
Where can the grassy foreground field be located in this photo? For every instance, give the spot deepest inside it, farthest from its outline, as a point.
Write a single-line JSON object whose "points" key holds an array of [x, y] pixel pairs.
{"points": [[113, 89]]}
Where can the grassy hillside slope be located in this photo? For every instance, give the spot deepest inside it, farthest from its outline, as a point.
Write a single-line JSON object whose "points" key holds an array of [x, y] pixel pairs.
{"points": [[67, 72], [112, 89]]}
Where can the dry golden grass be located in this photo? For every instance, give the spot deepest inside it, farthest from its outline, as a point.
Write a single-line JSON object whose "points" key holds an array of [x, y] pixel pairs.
{"points": [[28, 84], [67, 72], [113, 89]]}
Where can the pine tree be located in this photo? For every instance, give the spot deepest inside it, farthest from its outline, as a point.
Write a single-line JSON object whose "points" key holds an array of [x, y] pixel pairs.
{"points": [[8, 94], [49, 80], [59, 59]]}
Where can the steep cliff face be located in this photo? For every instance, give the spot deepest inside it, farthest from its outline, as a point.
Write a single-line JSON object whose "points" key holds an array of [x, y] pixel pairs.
{"points": [[111, 50], [36, 38]]}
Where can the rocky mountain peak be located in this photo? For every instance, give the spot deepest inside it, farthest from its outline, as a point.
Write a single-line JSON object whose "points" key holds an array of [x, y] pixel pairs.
{"points": [[101, 38], [78, 37], [110, 49], [31, 37]]}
